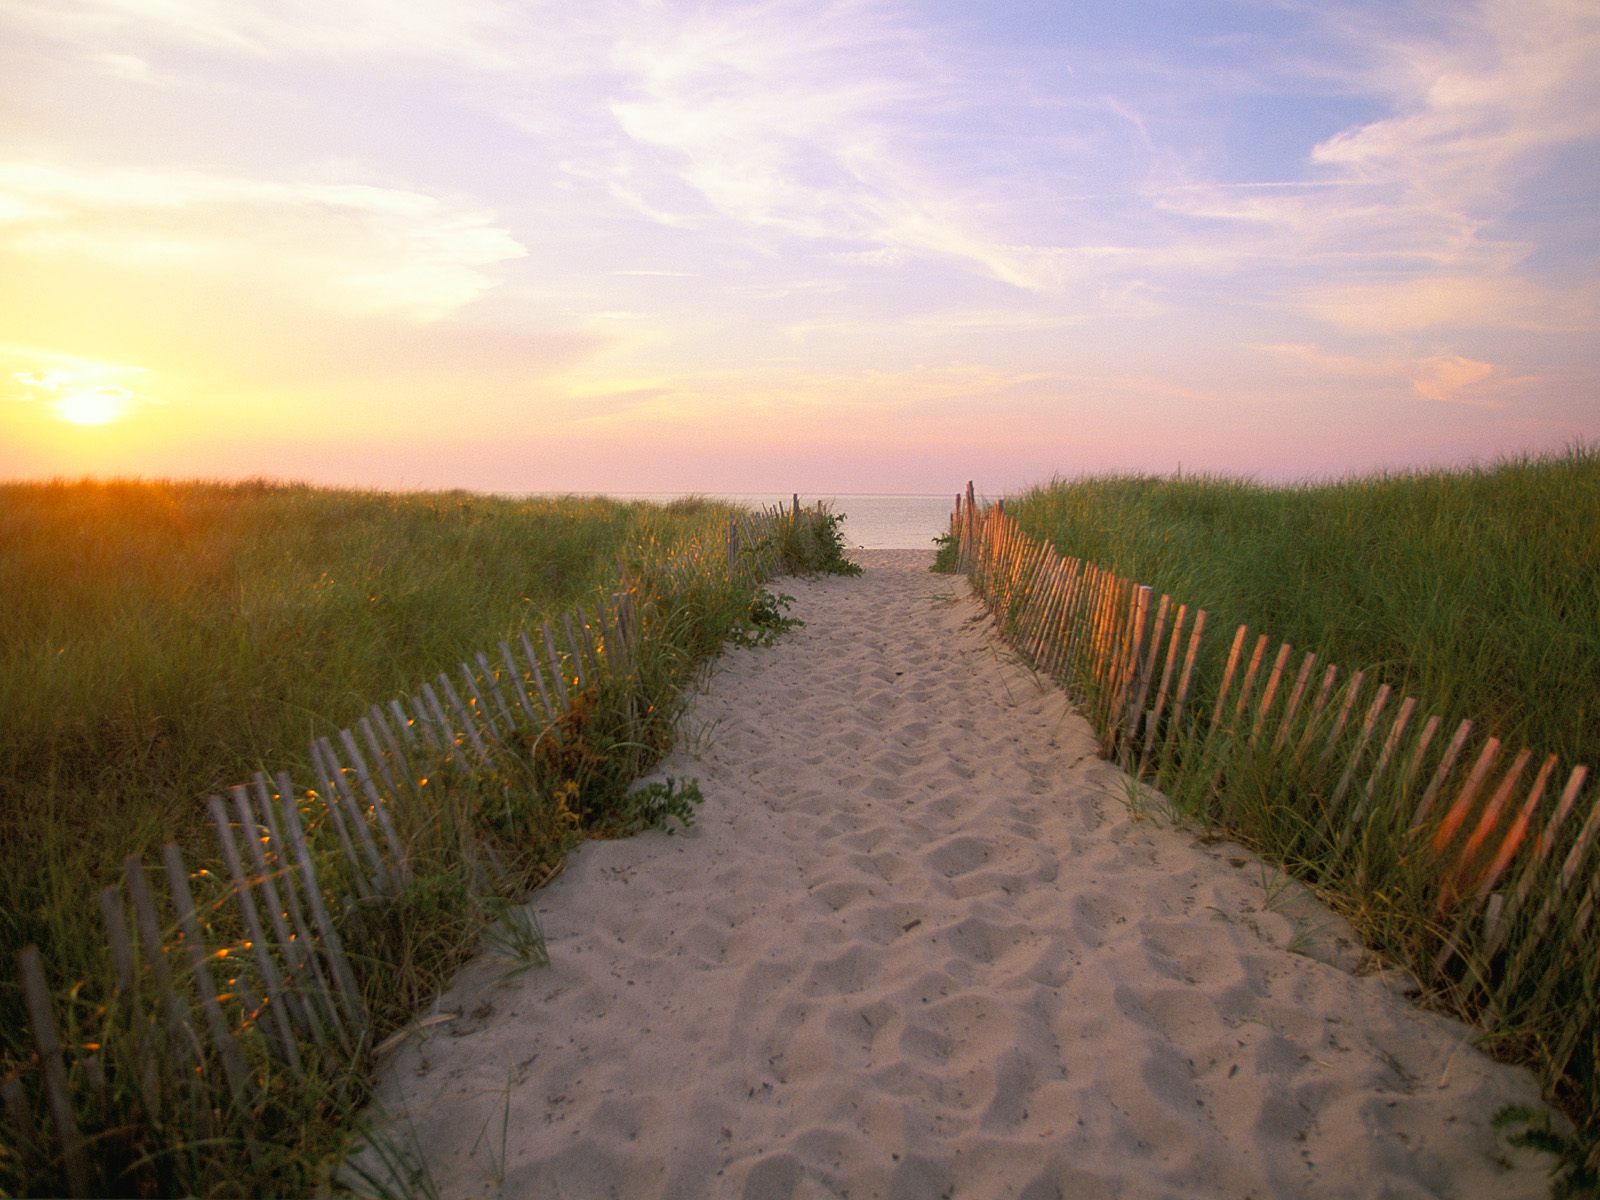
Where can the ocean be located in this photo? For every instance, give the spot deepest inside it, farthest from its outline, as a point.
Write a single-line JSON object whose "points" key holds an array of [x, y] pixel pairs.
{"points": [[871, 522]]}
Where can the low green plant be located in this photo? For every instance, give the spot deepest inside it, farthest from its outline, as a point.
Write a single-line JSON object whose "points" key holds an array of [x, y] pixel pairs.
{"points": [[767, 620], [812, 543], [947, 554], [657, 804]]}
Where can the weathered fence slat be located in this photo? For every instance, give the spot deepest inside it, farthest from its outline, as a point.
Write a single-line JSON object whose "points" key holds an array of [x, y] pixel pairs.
{"points": [[536, 673], [281, 1035], [492, 685], [347, 990], [518, 689], [478, 706], [293, 949], [233, 1067], [575, 661], [557, 671], [41, 1020], [399, 862], [1269, 693], [469, 727], [1447, 762], [284, 892], [1352, 690], [341, 798]]}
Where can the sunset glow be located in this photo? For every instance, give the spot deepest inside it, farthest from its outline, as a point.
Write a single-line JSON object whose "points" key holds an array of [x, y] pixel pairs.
{"points": [[91, 408], [854, 246]]}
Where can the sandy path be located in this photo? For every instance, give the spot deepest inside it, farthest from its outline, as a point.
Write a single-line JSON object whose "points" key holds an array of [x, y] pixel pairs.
{"points": [[918, 946]]}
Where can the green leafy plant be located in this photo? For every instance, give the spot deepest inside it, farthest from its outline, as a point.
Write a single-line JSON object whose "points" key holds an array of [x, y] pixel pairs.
{"points": [[654, 804], [766, 621], [947, 555]]}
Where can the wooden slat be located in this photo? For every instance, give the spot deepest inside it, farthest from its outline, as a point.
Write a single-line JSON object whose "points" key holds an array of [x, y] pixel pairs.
{"points": [[147, 925], [1291, 706], [399, 864], [277, 1003], [557, 671], [492, 687], [346, 990], [281, 909], [576, 661], [1330, 675], [1440, 774], [536, 673], [372, 878], [320, 1007], [405, 725], [1418, 752], [1517, 832], [468, 726], [1352, 689], [233, 1068], [41, 1021], [586, 636], [1269, 693], [1247, 687], [1489, 819], [1457, 812], [435, 716], [519, 690], [1369, 725], [477, 707], [387, 758], [1147, 669], [1228, 672], [1187, 677], [1158, 709]]}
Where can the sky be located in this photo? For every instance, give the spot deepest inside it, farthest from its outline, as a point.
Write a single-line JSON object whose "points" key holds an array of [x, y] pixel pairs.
{"points": [[832, 246]]}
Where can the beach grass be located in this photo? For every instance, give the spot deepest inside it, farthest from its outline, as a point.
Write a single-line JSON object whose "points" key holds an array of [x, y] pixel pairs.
{"points": [[169, 639], [1475, 592]]}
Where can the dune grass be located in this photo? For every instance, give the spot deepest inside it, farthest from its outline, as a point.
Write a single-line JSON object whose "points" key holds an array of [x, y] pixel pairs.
{"points": [[168, 639], [164, 640], [1477, 591]]}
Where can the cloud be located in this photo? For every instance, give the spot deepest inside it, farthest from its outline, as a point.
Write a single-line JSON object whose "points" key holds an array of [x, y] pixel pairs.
{"points": [[1461, 300], [73, 385], [789, 117], [1452, 379], [472, 32], [1443, 378], [353, 248]]}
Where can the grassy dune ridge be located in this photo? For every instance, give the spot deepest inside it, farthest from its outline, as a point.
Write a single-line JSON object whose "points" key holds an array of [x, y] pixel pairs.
{"points": [[170, 638], [1477, 591], [163, 640]]}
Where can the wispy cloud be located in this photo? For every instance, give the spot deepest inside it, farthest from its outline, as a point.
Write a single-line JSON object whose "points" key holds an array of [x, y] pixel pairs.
{"points": [[472, 32], [793, 117], [353, 247]]}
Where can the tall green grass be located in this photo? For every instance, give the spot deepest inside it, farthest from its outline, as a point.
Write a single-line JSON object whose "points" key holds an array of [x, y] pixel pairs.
{"points": [[1477, 591], [163, 640], [172, 638]]}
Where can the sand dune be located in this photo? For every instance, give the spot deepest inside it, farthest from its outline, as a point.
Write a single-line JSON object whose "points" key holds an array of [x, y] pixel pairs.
{"points": [[919, 945]]}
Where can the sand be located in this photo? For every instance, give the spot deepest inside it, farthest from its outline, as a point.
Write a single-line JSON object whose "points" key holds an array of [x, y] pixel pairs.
{"points": [[920, 944]]}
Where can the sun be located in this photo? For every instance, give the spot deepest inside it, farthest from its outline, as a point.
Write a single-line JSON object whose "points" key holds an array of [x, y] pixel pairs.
{"points": [[92, 406]]}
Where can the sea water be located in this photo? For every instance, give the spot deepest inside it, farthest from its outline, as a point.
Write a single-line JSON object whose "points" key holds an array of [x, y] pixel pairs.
{"points": [[870, 522]]}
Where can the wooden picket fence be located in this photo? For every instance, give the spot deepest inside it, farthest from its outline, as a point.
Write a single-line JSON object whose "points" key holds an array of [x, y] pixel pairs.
{"points": [[223, 981], [1504, 863]]}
